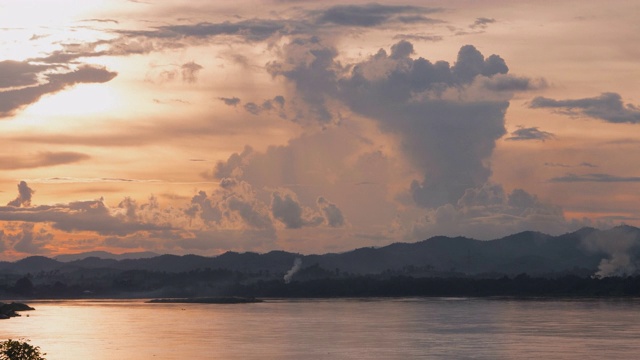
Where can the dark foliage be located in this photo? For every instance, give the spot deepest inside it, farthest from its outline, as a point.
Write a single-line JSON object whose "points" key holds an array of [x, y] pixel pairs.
{"points": [[402, 286]]}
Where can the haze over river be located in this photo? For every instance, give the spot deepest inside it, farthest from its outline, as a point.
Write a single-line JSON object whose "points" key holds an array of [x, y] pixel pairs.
{"points": [[407, 328]]}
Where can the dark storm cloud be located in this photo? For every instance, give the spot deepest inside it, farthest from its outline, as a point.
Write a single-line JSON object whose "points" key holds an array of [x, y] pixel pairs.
{"points": [[332, 214], [582, 164], [248, 212], [30, 241], [447, 139], [482, 22], [12, 100], [42, 159], [287, 210], [370, 15], [311, 66], [277, 103], [457, 140], [471, 63], [190, 71], [252, 108], [532, 133], [598, 177], [279, 100], [251, 30], [19, 73], [418, 37], [24, 196], [608, 107], [84, 74], [230, 101]]}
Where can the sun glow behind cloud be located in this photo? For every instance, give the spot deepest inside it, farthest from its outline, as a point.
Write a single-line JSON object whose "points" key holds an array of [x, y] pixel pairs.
{"points": [[47, 13], [82, 100]]}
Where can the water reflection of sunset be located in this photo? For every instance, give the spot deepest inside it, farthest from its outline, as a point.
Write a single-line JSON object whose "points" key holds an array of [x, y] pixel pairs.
{"points": [[337, 328]]}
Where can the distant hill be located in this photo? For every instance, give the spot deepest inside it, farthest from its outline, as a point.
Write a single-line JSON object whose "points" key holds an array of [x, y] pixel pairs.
{"points": [[30, 264], [585, 252], [105, 255]]}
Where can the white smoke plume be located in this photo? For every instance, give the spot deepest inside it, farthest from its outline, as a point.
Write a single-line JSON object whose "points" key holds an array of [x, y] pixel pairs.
{"points": [[297, 264], [619, 264], [619, 244]]}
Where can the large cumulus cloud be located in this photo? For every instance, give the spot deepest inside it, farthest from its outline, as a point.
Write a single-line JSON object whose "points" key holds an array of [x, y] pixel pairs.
{"points": [[489, 212], [445, 132], [447, 129], [447, 119]]}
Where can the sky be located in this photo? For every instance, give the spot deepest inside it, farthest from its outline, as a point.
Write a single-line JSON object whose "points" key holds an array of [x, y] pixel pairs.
{"points": [[202, 127]]}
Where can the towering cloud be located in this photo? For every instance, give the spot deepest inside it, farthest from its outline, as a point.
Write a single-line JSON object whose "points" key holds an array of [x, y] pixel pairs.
{"points": [[447, 119], [190, 71], [446, 131], [24, 195], [311, 67]]}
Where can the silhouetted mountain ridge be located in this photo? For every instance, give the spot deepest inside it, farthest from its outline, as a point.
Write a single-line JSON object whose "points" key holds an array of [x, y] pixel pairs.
{"points": [[105, 255], [584, 251]]}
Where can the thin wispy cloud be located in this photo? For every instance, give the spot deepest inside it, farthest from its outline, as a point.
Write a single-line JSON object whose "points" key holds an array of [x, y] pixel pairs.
{"points": [[595, 177], [608, 107], [531, 133]]}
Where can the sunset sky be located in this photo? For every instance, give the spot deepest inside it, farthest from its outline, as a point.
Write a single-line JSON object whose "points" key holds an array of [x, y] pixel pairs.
{"points": [[312, 126]]}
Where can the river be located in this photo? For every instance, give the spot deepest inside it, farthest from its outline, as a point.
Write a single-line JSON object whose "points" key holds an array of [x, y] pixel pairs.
{"points": [[407, 328]]}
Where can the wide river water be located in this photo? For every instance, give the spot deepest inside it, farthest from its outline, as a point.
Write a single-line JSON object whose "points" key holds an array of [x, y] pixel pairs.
{"points": [[408, 328]]}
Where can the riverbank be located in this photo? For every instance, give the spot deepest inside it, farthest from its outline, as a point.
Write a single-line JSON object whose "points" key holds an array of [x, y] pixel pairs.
{"points": [[11, 309]]}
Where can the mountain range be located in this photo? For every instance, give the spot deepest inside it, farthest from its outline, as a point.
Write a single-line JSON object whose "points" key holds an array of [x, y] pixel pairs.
{"points": [[585, 252]]}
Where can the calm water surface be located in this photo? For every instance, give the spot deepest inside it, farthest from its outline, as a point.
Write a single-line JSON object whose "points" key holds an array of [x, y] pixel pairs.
{"points": [[416, 328]]}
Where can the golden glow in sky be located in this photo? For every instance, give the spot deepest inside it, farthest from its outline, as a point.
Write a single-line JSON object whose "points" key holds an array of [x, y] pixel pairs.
{"points": [[198, 127]]}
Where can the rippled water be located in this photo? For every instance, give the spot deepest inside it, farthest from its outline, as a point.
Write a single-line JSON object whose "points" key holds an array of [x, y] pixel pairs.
{"points": [[416, 328]]}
